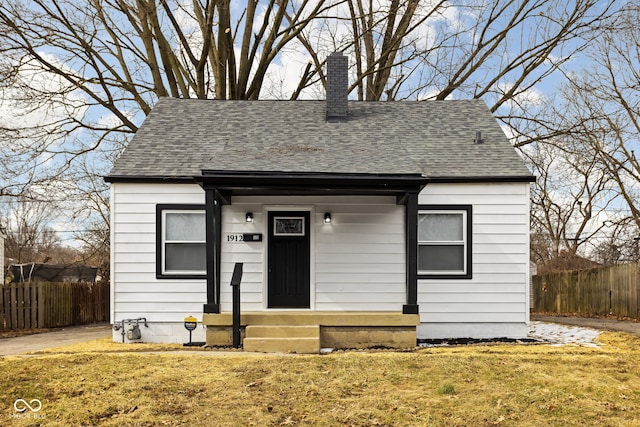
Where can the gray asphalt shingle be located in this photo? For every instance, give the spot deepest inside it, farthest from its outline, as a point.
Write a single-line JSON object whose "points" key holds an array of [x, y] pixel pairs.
{"points": [[181, 137]]}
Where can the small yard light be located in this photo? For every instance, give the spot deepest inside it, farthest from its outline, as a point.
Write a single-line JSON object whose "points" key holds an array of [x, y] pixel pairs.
{"points": [[327, 218], [249, 217]]}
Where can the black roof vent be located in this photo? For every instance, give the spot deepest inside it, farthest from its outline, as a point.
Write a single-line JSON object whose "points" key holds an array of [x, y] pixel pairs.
{"points": [[478, 139]]}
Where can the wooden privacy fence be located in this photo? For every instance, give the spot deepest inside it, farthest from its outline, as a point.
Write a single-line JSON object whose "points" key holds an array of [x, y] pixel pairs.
{"points": [[46, 305], [598, 291]]}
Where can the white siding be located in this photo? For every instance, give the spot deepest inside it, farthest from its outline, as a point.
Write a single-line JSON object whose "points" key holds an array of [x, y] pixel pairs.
{"points": [[494, 302], [135, 290], [357, 261]]}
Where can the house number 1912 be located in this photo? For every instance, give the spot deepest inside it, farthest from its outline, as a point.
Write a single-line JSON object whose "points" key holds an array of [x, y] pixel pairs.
{"points": [[235, 238]]}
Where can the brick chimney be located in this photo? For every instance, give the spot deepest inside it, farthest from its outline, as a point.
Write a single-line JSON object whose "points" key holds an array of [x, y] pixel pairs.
{"points": [[337, 86]]}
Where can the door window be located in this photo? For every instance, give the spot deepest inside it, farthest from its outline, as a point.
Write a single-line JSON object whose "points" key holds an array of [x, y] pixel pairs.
{"points": [[288, 226]]}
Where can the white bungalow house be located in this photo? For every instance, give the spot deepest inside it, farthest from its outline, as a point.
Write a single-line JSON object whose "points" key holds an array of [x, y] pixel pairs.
{"points": [[358, 224]]}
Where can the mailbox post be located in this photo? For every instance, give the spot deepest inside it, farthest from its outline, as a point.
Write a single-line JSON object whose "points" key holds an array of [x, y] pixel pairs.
{"points": [[235, 284]]}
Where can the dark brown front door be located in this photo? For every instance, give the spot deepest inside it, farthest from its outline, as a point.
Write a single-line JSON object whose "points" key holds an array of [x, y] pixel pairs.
{"points": [[289, 259]]}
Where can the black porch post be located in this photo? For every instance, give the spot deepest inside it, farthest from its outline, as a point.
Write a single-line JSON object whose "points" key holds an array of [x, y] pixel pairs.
{"points": [[411, 212], [213, 214]]}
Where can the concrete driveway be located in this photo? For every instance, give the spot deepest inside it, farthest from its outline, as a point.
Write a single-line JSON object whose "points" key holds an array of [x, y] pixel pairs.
{"points": [[59, 337]]}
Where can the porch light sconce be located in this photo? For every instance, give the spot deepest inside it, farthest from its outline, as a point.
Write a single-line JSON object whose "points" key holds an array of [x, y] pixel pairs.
{"points": [[249, 217], [327, 218]]}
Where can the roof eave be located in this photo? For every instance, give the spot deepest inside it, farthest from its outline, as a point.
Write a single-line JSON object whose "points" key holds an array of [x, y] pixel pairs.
{"points": [[480, 179], [150, 179], [317, 177]]}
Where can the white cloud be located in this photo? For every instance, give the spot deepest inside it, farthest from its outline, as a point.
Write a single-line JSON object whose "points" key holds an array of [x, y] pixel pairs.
{"points": [[524, 99]]}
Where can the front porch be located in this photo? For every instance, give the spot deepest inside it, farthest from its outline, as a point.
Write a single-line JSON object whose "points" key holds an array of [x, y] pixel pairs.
{"points": [[309, 331]]}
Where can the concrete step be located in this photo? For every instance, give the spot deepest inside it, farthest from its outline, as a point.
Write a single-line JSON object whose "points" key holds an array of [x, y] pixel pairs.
{"points": [[282, 331], [282, 338], [283, 345]]}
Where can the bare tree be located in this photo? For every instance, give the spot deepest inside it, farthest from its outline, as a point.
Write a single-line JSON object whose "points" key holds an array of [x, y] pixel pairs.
{"points": [[495, 50], [572, 200], [621, 244], [77, 77], [113, 58], [598, 113], [90, 207], [608, 97], [29, 236]]}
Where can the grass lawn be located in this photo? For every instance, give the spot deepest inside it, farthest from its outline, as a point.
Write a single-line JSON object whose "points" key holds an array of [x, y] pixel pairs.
{"points": [[104, 383]]}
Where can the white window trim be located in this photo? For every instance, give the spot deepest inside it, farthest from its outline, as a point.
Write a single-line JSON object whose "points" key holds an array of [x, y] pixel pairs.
{"points": [[164, 242], [464, 242]]}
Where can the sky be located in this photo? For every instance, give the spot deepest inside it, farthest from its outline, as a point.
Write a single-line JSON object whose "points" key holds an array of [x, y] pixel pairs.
{"points": [[282, 79]]}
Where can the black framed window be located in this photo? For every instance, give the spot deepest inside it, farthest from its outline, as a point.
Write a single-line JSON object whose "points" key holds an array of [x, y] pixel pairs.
{"points": [[181, 241], [444, 241]]}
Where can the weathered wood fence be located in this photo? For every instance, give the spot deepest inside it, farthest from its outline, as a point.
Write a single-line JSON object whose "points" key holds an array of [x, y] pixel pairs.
{"points": [[45, 305], [594, 292]]}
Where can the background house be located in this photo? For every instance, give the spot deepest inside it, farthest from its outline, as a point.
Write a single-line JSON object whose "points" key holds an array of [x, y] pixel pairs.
{"points": [[412, 220]]}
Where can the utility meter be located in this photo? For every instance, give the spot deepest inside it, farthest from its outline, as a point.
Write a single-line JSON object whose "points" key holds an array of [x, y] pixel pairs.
{"points": [[134, 333]]}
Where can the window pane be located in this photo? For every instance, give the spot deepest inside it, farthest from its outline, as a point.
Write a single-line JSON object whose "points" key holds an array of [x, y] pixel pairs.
{"points": [[440, 227], [185, 257], [288, 226], [188, 226], [441, 258]]}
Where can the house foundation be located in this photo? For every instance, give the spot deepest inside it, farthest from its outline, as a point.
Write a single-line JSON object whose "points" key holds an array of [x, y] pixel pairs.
{"points": [[308, 332]]}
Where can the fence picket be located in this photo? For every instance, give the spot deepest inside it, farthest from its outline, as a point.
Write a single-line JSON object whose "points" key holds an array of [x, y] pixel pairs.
{"points": [[33, 309], [14, 307], [20, 302], [3, 310]]}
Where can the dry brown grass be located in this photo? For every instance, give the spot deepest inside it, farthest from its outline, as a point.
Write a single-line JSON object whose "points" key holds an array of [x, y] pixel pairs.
{"points": [[103, 383]]}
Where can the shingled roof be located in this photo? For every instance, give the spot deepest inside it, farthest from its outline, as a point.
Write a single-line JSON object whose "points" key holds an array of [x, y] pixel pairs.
{"points": [[182, 137]]}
